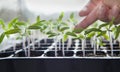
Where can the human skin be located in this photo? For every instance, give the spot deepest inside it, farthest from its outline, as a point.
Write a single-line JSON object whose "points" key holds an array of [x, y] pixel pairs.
{"points": [[104, 10]]}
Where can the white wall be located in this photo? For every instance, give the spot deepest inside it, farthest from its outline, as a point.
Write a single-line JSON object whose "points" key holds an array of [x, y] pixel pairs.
{"points": [[45, 8], [52, 6]]}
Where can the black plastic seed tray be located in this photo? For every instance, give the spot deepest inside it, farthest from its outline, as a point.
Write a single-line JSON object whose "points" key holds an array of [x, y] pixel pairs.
{"points": [[46, 57], [59, 65], [41, 48]]}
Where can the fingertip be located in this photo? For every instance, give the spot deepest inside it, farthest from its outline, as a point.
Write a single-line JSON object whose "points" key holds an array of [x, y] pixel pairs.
{"points": [[114, 12], [90, 19]]}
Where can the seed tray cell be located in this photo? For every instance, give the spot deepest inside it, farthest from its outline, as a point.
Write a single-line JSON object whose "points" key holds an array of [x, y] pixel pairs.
{"points": [[32, 54], [59, 54], [47, 41], [71, 48], [45, 48]]}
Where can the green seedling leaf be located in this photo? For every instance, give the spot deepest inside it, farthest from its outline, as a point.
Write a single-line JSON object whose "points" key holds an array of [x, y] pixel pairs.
{"points": [[2, 37], [65, 37], [52, 35], [49, 32], [106, 36], [80, 36], [2, 23], [34, 27], [38, 19], [101, 42], [41, 30], [95, 25], [21, 24], [43, 21], [61, 16], [50, 20], [58, 27], [90, 35], [117, 32], [16, 27], [71, 34], [28, 32], [92, 30], [73, 21], [72, 16], [19, 37], [44, 27], [117, 35], [64, 23], [78, 30], [103, 25], [64, 28], [37, 25], [12, 23], [101, 33], [113, 29], [111, 23], [12, 31]]}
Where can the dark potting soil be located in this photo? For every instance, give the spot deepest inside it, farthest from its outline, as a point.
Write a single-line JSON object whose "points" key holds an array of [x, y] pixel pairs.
{"points": [[65, 45], [91, 54], [107, 44], [9, 49], [88, 48], [32, 54], [79, 53], [43, 45], [36, 53], [20, 54], [47, 41], [116, 53], [87, 45], [64, 48], [41, 48], [97, 53], [18, 47], [6, 54], [114, 46], [59, 53]]}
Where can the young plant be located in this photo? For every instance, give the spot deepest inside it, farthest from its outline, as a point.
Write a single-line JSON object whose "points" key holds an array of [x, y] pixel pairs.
{"points": [[109, 27], [11, 28], [116, 32], [59, 28], [93, 34], [38, 25]]}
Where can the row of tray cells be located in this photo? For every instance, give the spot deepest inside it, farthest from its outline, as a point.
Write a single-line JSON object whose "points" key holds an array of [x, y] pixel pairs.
{"points": [[72, 51]]}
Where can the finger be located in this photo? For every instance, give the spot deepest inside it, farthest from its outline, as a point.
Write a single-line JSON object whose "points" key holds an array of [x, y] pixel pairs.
{"points": [[114, 12], [92, 17], [117, 20], [87, 9], [103, 12]]}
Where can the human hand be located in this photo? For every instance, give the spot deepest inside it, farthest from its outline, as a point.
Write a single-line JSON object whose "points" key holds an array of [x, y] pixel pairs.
{"points": [[104, 10]]}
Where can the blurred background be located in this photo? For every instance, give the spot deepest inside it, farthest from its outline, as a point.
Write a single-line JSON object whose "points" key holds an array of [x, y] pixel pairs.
{"points": [[29, 9], [47, 9]]}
